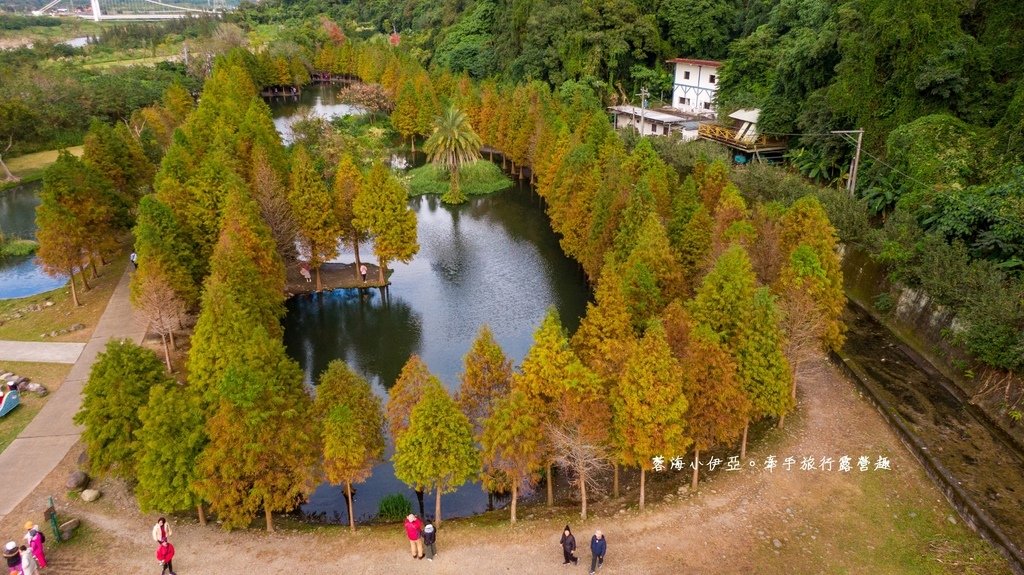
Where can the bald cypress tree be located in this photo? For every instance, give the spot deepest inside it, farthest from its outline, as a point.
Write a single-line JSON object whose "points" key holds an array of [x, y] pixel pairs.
{"points": [[312, 207], [719, 408], [382, 208], [437, 450], [172, 437], [351, 421], [606, 334], [513, 442], [262, 447], [649, 407], [118, 387], [348, 183], [486, 376], [651, 275], [407, 391]]}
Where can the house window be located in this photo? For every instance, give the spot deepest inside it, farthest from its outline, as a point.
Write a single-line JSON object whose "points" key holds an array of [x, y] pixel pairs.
{"points": [[707, 105], [684, 101], [711, 79], [665, 130], [686, 75]]}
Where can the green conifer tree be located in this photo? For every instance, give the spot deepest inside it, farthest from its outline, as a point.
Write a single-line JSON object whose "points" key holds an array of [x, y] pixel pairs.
{"points": [[719, 408], [512, 442], [116, 391], [348, 182], [314, 212], [351, 421], [437, 449], [172, 437], [651, 275], [262, 446], [649, 407], [382, 207], [486, 376]]}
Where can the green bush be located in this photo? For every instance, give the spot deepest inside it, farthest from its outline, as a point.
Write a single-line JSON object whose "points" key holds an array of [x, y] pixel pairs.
{"points": [[394, 507], [17, 248], [477, 179]]}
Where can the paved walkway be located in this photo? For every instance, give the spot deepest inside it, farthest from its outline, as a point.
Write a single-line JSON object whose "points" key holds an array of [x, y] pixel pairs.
{"points": [[40, 352], [47, 439]]}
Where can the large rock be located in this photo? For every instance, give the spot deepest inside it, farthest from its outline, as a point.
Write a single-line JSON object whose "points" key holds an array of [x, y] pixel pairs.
{"points": [[70, 525], [77, 481], [36, 388], [90, 495]]}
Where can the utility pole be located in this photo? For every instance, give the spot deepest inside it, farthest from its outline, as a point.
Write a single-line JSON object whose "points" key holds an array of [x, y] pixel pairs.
{"points": [[644, 94], [851, 184]]}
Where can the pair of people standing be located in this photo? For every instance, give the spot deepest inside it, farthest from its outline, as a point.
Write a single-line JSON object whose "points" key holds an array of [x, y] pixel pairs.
{"points": [[419, 536], [598, 547], [164, 550]]}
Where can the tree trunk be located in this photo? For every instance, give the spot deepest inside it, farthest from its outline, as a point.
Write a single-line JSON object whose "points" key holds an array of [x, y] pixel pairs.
{"points": [[551, 493], [348, 498], [170, 334], [696, 468], [583, 495], [74, 292], [782, 421], [743, 445], [8, 176], [419, 499], [167, 353], [515, 495], [85, 282], [270, 518], [202, 514], [412, 143], [380, 270], [92, 264], [355, 248], [437, 506], [615, 480], [319, 286], [643, 480]]}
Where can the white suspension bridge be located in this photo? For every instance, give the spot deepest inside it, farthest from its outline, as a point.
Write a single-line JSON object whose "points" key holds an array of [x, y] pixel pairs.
{"points": [[135, 9]]}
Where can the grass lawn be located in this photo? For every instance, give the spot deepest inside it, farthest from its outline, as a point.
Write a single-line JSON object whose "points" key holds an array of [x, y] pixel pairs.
{"points": [[883, 526], [51, 375], [138, 61], [30, 166], [479, 178], [63, 314]]}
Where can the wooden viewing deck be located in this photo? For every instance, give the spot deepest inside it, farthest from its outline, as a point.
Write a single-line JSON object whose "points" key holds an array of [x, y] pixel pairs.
{"points": [[334, 276], [728, 136]]}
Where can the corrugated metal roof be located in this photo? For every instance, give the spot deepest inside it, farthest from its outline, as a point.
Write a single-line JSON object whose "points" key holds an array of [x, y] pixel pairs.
{"points": [[695, 62], [652, 115]]}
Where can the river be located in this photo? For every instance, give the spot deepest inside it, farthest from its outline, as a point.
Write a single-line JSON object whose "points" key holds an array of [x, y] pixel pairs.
{"points": [[493, 260], [22, 277]]}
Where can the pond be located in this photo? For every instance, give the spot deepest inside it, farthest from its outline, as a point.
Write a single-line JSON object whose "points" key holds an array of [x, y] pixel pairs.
{"points": [[319, 99], [22, 277], [493, 260]]}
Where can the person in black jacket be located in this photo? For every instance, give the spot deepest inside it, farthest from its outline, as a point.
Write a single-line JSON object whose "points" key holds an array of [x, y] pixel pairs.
{"points": [[569, 547], [598, 546], [429, 538]]}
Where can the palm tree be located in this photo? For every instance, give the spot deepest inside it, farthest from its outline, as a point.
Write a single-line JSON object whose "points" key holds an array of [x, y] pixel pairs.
{"points": [[453, 145]]}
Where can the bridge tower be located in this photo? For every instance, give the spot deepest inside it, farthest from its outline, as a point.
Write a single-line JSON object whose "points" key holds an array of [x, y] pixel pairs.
{"points": [[96, 10]]}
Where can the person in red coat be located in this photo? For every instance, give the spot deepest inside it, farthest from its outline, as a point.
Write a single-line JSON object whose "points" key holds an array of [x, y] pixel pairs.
{"points": [[414, 531], [164, 554]]}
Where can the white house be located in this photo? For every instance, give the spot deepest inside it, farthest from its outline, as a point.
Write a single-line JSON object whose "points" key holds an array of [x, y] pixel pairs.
{"points": [[653, 122], [694, 86]]}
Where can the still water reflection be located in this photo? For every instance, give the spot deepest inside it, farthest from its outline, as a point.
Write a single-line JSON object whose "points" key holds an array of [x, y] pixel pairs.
{"points": [[493, 260]]}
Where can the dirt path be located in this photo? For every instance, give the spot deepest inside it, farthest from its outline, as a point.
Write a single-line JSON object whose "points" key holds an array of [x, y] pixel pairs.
{"points": [[749, 521]]}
